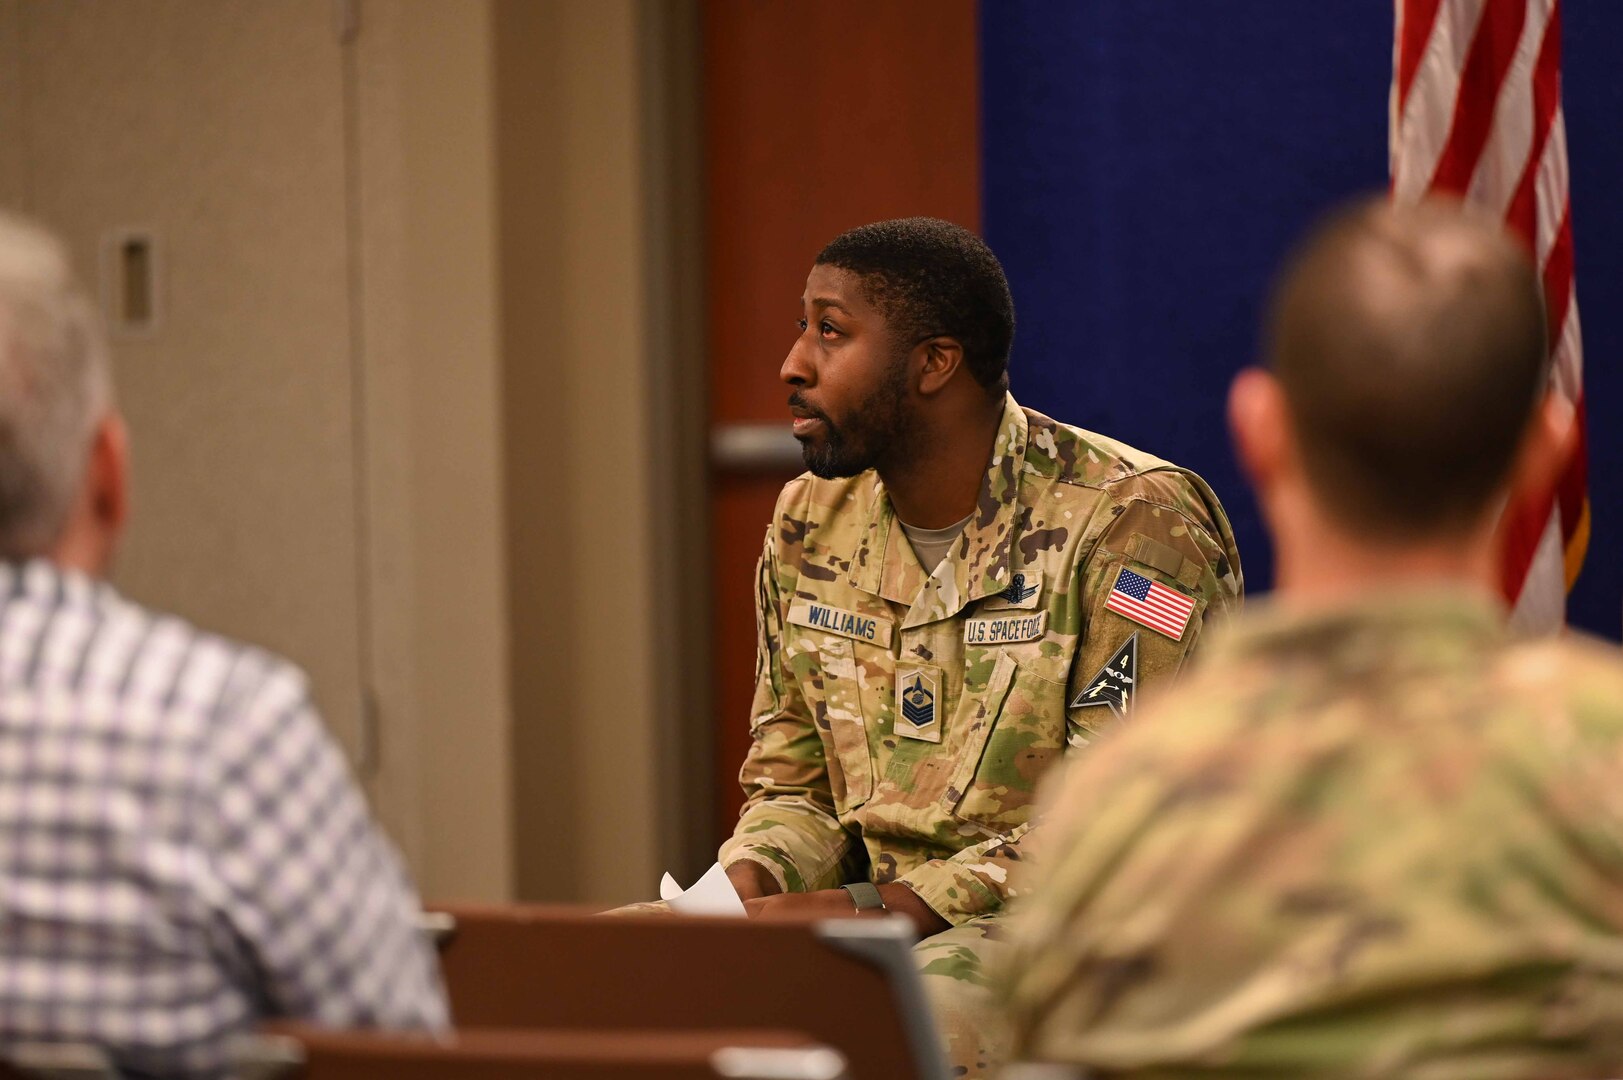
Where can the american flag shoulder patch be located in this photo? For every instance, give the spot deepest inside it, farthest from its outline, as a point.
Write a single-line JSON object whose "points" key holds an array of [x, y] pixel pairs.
{"points": [[1151, 604]]}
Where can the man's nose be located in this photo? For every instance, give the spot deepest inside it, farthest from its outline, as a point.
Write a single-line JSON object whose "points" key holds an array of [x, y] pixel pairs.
{"points": [[797, 370]]}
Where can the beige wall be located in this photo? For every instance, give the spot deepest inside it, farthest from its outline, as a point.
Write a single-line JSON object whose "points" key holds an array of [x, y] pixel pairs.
{"points": [[425, 159], [425, 412], [13, 188], [599, 683]]}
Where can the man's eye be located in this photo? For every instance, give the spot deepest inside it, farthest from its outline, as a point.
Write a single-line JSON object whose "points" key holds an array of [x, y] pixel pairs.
{"points": [[826, 328], [802, 324]]}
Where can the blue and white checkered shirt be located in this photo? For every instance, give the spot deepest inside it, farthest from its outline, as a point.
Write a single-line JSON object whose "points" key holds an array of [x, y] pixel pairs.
{"points": [[182, 850]]}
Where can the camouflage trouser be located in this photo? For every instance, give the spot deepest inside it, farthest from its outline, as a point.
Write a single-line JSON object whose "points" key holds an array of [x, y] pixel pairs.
{"points": [[954, 964]]}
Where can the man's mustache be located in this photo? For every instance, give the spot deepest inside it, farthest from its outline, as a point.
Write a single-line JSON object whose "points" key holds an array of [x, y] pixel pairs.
{"points": [[798, 402]]}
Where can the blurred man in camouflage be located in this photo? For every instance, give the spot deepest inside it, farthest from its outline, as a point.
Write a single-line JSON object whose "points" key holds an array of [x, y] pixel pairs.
{"points": [[1371, 836], [956, 592]]}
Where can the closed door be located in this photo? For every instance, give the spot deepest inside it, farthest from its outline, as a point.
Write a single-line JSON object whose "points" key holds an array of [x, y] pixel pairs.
{"points": [[809, 131], [200, 148]]}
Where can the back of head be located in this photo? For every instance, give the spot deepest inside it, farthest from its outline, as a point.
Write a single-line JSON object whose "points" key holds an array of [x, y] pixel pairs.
{"points": [[1410, 345], [931, 277], [54, 384]]}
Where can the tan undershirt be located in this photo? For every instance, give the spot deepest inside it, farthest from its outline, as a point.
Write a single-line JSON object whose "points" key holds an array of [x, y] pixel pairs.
{"points": [[930, 545]]}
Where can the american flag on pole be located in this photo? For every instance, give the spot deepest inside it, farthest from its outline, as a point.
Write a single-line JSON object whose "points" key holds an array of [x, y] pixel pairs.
{"points": [[1476, 113], [1150, 603]]}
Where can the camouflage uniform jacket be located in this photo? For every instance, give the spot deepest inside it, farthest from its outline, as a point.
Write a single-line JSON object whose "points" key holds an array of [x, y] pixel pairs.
{"points": [[841, 785], [1377, 841]]}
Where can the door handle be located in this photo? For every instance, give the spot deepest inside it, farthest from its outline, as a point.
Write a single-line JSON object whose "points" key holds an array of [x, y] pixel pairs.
{"points": [[755, 447]]}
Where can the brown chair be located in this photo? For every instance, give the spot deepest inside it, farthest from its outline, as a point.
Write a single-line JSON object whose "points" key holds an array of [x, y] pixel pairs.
{"points": [[847, 983], [299, 1053]]}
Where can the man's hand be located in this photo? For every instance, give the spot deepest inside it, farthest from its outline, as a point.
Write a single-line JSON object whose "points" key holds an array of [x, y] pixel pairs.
{"points": [[900, 900], [837, 904], [751, 880]]}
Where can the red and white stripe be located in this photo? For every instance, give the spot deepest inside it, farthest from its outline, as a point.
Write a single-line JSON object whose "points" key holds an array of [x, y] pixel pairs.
{"points": [[1476, 112]]}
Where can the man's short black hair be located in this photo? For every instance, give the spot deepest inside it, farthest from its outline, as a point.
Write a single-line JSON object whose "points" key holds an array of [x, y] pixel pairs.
{"points": [[931, 277]]}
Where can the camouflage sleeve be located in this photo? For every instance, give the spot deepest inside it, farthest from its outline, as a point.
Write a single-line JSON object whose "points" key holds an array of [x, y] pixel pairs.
{"points": [[973, 882], [1097, 820], [1171, 530], [788, 823]]}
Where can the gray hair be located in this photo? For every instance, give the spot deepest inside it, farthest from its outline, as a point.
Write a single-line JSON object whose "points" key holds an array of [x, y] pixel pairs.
{"points": [[54, 386]]}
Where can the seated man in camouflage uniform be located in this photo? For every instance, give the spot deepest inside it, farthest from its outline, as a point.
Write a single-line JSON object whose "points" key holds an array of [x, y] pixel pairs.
{"points": [[958, 591], [1371, 836]]}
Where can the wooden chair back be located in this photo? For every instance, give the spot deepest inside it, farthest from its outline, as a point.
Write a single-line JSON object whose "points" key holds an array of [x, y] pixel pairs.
{"points": [[847, 983]]}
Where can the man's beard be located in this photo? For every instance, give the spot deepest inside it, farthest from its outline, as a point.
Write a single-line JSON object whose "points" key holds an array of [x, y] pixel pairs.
{"points": [[878, 433]]}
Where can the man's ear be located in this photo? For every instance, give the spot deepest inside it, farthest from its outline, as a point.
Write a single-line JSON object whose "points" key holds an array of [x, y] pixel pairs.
{"points": [[95, 522], [108, 480], [1259, 423], [943, 356], [1548, 444]]}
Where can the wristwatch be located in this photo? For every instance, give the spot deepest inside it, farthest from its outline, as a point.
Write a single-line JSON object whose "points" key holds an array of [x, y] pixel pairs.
{"points": [[865, 896]]}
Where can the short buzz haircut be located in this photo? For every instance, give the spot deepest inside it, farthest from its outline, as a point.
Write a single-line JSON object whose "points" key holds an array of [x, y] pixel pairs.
{"points": [[54, 385], [931, 277], [1410, 346]]}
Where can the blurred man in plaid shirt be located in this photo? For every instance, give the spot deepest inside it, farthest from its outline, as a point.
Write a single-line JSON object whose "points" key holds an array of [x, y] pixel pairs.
{"points": [[182, 850]]}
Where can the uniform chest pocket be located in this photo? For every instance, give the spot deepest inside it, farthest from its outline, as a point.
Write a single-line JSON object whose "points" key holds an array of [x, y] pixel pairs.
{"points": [[837, 707], [1014, 732]]}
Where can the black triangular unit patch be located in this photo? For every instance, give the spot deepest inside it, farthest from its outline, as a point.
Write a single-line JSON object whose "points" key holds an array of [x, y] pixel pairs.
{"points": [[1114, 683]]}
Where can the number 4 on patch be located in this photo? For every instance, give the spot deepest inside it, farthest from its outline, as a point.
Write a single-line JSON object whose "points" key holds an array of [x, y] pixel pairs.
{"points": [[1113, 684]]}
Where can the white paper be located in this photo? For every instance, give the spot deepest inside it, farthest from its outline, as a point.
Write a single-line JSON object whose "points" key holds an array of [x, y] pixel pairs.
{"points": [[712, 894]]}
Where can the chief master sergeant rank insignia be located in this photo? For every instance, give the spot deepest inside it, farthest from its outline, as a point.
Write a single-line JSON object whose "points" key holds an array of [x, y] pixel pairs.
{"points": [[915, 703], [1113, 684]]}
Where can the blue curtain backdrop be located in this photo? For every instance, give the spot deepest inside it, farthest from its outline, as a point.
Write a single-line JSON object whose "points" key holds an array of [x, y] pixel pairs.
{"points": [[1146, 167]]}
